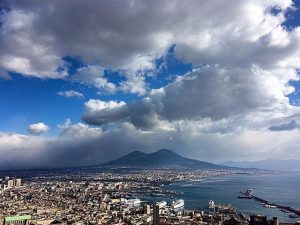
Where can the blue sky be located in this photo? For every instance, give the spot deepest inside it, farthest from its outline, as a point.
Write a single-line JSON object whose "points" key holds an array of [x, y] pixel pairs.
{"points": [[294, 21], [199, 80], [29, 99]]}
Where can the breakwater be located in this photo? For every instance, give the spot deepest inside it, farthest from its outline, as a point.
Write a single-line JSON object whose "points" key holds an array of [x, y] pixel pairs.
{"points": [[271, 204]]}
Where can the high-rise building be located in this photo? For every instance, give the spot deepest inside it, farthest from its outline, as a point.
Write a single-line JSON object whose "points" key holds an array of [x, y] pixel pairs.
{"points": [[274, 221], [10, 183], [155, 214], [146, 209], [18, 182]]}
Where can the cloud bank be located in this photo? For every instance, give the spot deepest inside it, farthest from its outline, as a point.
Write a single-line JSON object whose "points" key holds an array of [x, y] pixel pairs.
{"points": [[34, 38]]}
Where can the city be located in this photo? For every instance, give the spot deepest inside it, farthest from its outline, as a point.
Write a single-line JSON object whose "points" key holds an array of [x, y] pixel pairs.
{"points": [[112, 197]]}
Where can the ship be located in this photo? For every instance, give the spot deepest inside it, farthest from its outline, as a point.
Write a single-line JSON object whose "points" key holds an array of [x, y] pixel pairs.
{"points": [[211, 206], [161, 204], [133, 201], [244, 197], [292, 215], [178, 204], [248, 192], [284, 210], [269, 205]]}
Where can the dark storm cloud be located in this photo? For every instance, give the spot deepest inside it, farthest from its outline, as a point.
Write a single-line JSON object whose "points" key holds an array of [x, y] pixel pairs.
{"points": [[207, 92], [141, 114], [77, 145], [285, 126], [130, 35], [100, 112], [80, 145]]}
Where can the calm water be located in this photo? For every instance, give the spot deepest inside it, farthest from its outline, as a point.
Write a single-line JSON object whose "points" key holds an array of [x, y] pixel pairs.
{"points": [[282, 188]]}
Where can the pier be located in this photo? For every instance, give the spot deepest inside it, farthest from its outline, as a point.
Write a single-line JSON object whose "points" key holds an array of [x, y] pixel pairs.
{"points": [[248, 194]]}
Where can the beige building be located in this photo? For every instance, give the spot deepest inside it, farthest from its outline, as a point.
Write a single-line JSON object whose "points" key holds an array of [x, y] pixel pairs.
{"points": [[10, 183], [17, 220], [18, 182]]}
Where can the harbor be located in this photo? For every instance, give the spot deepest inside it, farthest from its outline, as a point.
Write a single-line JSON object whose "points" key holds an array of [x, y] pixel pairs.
{"points": [[286, 209], [226, 190]]}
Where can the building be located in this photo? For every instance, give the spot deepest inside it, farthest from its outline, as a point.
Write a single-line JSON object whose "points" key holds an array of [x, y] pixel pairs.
{"points": [[10, 183], [18, 182], [155, 214], [17, 220], [146, 209], [262, 220], [232, 221]]}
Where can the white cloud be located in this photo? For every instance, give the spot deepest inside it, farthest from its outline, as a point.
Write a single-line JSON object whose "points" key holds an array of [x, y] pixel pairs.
{"points": [[134, 84], [78, 130], [94, 75], [22, 52], [34, 38], [37, 128], [71, 94], [94, 105]]}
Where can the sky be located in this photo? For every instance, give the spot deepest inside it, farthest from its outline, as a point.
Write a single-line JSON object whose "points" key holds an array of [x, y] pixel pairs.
{"points": [[85, 82]]}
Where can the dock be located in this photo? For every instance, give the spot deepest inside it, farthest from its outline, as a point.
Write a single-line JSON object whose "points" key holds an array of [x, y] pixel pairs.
{"points": [[284, 208]]}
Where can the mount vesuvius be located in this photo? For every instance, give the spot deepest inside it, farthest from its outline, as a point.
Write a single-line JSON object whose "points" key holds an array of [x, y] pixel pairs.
{"points": [[163, 158]]}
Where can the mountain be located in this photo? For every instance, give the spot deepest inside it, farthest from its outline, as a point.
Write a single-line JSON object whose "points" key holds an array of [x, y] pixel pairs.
{"points": [[268, 164], [162, 158]]}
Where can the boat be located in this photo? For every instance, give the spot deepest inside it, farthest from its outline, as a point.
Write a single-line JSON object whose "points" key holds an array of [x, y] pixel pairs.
{"points": [[161, 204], [292, 215], [244, 197], [133, 201], [211, 204], [249, 191], [269, 206], [178, 204], [284, 210]]}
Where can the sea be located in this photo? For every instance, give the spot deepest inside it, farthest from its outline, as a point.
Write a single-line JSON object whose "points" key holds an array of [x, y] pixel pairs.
{"points": [[283, 189]]}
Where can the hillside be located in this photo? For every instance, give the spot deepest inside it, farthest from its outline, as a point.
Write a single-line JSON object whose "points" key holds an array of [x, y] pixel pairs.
{"points": [[162, 158]]}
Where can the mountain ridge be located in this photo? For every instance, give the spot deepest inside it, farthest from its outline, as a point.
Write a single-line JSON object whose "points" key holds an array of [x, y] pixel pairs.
{"points": [[267, 164], [162, 158]]}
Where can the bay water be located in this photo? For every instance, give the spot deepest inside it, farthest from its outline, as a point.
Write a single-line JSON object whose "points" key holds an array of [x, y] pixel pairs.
{"points": [[283, 189]]}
